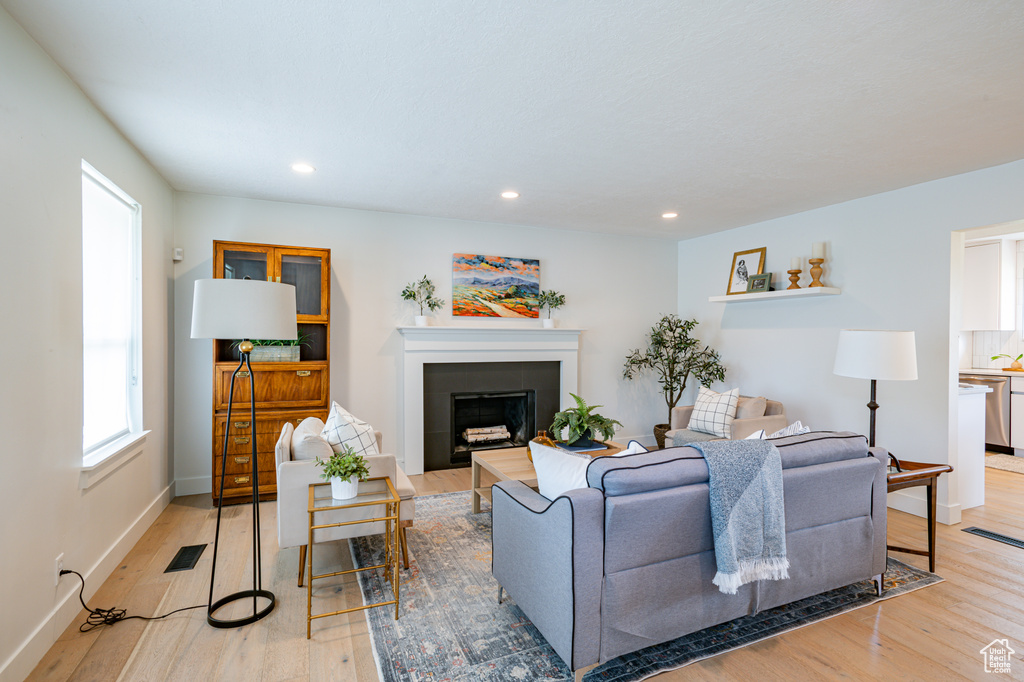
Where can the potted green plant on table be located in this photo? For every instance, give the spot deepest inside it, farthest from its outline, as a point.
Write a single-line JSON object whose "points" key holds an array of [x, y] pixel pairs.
{"points": [[344, 470], [422, 293], [674, 355], [582, 424], [1015, 362], [552, 300]]}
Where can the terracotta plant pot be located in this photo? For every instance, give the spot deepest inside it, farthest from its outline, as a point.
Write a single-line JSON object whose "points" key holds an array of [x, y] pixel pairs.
{"points": [[659, 434]]}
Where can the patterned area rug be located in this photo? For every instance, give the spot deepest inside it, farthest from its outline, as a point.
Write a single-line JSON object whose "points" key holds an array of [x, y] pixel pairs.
{"points": [[1005, 463], [452, 627]]}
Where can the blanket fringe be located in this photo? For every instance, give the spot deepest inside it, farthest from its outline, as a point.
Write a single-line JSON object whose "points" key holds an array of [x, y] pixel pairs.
{"points": [[770, 568]]}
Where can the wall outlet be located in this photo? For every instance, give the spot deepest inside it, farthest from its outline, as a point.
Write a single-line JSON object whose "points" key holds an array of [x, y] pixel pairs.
{"points": [[58, 566]]}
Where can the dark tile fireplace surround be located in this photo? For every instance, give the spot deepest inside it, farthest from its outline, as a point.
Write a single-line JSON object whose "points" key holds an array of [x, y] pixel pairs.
{"points": [[520, 395]]}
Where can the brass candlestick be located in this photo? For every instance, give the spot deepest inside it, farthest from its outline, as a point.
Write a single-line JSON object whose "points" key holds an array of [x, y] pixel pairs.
{"points": [[794, 277], [816, 272]]}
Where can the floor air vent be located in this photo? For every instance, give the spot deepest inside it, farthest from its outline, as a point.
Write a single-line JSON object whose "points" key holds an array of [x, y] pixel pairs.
{"points": [[998, 537], [185, 559]]}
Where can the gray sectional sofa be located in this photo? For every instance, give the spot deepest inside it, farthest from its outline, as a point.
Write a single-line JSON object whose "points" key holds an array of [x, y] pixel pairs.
{"points": [[627, 562]]}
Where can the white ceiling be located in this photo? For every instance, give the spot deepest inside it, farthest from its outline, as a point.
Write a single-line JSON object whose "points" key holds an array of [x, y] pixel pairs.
{"points": [[602, 113]]}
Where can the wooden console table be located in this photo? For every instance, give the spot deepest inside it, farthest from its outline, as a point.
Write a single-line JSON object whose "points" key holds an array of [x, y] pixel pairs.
{"points": [[908, 475]]}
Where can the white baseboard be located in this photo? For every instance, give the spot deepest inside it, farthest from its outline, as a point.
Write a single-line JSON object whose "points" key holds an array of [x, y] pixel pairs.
{"points": [[27, 656], [913, 502], [193, 486]]}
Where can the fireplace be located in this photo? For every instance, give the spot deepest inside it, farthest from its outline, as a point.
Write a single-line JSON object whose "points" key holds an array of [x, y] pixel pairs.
{"points": [[422, 423], [489, 421], [471, 406]]}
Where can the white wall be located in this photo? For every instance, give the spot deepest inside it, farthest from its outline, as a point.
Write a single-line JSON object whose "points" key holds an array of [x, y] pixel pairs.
{"points": [[47, 126], [891, 255], [615, 288]]}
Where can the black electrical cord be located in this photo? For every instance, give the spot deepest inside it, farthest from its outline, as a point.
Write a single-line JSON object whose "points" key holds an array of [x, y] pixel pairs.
{"points": [[98, 617]]}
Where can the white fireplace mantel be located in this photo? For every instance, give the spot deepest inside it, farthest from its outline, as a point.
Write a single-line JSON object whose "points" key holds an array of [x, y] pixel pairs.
{"points": [[427, 345]]}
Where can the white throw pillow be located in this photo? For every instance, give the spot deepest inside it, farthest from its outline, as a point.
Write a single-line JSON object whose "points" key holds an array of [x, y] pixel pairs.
{"points": [[794, 429], [756, 435], [310, 446], [634, 448], [713, 413], [558, 470], [343, 428]]}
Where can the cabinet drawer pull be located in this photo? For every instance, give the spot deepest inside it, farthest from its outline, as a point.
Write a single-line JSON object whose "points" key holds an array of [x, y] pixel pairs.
{"points": [[302, 373], [241, 479], [241, 460], [242, 440], [241, 425], [243, 374]]}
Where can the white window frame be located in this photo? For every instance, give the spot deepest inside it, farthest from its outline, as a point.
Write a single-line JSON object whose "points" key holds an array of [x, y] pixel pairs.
{"points": [[101, 459]]}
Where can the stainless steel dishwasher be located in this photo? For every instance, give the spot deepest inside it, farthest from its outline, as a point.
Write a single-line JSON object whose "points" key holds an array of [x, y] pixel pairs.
{"points": [[997, 407]]}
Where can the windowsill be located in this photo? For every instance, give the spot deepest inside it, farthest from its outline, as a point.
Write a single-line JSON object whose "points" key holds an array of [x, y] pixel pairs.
{"points": [[105, 461]]}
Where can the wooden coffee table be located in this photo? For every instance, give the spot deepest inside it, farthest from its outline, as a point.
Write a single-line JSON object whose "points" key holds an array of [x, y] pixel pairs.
{"points": [[512, 464]]}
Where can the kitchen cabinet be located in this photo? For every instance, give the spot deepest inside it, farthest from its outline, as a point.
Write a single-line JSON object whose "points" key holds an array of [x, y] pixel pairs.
{"points": [[989, 286]]}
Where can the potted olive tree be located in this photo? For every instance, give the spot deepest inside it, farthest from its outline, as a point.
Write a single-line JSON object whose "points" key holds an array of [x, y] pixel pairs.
{"points": [[344, 470], [552, 300], [582, 424], [674, 355], [422, 293]]}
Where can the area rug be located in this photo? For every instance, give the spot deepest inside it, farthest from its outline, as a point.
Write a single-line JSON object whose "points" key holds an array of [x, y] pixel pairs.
{"points": [[1005, 463], [452, 627]]}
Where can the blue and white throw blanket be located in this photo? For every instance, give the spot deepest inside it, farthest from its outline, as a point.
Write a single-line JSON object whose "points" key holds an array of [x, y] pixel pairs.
{"points": [[747, 511]]}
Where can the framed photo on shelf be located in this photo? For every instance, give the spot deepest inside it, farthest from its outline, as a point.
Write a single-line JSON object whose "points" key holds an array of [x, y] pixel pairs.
{"points": [[759, 283], [745, 264]]}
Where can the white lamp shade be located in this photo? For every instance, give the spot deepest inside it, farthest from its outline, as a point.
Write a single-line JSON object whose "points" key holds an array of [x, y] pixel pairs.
{"points": [[243, 309], [875, 354]]}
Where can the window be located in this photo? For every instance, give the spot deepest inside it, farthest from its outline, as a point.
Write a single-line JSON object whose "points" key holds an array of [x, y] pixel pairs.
{"points": [[111, 329]]}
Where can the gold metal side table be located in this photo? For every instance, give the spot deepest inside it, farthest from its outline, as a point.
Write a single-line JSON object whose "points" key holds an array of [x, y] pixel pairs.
{"points": [[374, 491]]}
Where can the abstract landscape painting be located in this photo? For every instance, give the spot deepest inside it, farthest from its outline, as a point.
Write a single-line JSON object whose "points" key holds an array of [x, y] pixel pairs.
{"points": [[494, 286]]}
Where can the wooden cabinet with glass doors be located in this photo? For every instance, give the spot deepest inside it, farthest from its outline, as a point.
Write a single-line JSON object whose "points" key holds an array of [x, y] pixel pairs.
{"points": [[286, 391]]}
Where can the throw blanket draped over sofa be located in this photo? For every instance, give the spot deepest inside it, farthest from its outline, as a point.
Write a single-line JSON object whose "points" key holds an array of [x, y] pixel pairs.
{"points": [[627, 562], [747, 513]]}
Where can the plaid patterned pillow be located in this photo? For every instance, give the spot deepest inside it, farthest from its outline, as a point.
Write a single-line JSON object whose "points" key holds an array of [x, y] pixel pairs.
{"points": [[713, 412], [343, 429]]}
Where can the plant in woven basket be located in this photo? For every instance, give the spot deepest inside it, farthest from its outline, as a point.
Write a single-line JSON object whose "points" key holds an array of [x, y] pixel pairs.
{"points": [[674, 355], [343, 465], [582, 423], [422, 293]]}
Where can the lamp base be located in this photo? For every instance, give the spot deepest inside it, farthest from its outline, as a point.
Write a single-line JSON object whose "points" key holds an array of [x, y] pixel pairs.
{"points": [[239, 622]]}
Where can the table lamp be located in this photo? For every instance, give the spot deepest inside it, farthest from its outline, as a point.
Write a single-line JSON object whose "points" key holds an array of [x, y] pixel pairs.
{"points": [[874, 354], [242, 309]]}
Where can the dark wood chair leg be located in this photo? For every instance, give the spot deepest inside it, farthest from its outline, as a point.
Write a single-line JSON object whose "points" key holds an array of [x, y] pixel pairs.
{"points": [[931, 526], [405, 546], [302, 562]]}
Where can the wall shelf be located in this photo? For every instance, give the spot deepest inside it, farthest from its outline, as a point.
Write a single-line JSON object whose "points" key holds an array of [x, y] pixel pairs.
{"points": [[785, 293]]}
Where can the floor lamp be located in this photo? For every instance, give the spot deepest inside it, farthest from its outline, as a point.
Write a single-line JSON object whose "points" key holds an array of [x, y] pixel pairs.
{"points": [[242, 309], [873, 354]]}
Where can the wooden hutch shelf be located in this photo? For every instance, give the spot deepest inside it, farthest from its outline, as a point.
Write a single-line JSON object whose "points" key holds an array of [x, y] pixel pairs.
{"points": [[285, 391]]}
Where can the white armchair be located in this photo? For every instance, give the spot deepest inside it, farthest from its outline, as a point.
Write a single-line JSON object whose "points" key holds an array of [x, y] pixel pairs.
{"points": [[297, 470]]}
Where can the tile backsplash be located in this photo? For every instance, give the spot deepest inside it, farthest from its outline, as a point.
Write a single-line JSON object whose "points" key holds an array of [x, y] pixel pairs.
{"points": [[983, 345]]}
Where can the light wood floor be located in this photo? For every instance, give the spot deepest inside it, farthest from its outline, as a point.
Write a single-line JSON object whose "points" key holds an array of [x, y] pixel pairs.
{"points": [[933, 634]]}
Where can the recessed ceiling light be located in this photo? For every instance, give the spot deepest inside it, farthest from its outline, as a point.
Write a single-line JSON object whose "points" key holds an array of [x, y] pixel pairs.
{"points": [[510, 195], [669, 215], [302, 167]]}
